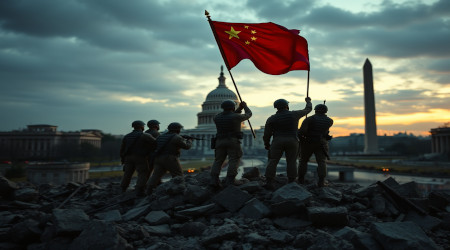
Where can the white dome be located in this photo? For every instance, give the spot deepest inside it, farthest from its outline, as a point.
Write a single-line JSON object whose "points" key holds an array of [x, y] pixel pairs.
{"points": [[211, 106]]}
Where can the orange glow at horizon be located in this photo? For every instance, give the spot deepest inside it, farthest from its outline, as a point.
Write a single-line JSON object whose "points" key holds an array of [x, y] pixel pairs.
{"points": [[347, 125]]}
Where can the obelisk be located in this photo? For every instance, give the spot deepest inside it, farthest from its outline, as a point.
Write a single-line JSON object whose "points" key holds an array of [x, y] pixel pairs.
{"points": [[370, 137]]}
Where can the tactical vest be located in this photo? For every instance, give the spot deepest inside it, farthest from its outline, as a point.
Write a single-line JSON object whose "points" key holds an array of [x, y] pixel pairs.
{"points": [[318, 128], [131, 143], [163, 143], [227, 125], [284, 124], [153, 132]]}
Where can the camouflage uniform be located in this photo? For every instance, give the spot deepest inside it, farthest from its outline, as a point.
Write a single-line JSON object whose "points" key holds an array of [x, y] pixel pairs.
{"points": [[151, 157], [313, 140], [133, 152], [283, 126], [228, 125], [167, 157]]}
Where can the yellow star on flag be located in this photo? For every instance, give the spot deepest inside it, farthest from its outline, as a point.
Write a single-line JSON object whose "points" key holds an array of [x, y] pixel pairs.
{"points": [[233, 33]]}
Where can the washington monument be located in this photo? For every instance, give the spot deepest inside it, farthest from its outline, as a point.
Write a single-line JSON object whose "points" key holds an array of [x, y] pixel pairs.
{"points": [[370, 138]]}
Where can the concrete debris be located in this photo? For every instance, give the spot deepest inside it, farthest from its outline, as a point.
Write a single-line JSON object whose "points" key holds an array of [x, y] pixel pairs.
{"points": [[185, 213]]}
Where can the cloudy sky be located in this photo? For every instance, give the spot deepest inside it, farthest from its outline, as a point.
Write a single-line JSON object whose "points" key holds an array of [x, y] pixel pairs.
{"points": [[100, 64]]}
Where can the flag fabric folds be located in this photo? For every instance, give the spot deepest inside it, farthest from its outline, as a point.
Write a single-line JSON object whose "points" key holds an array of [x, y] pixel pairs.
{"points": [[272, 48]]}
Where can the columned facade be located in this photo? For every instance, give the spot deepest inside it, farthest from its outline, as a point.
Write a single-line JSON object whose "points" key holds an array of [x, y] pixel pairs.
{"points": [[57, 173], [206, 128], [43, 142], [440, 140]]}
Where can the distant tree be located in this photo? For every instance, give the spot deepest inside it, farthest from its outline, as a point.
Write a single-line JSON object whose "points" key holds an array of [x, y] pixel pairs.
{"points": [[68, 150], [88, 151], [16, 170], [110, 147], [410, 146]]}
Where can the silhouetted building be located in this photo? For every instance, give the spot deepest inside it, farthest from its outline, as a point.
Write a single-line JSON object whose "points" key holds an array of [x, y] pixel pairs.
{"points": [[206, 128], [57, 173], [370, 139], [42, 141], [440, 140], [397, 144]]}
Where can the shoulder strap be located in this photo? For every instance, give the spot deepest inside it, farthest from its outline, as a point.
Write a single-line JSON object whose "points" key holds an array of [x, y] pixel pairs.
{"points": [[163, 147], [133, 143]]}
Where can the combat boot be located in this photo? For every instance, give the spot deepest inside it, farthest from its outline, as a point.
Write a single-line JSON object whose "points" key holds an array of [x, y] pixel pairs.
{"points": [[140, 193], [290, 180], [149, 190], [230, 180], [301, 180], [215, 182], [269, 184], [321, 182]]}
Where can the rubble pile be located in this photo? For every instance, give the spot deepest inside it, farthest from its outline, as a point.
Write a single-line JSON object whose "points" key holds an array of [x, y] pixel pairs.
{"points": [[190, 215]]}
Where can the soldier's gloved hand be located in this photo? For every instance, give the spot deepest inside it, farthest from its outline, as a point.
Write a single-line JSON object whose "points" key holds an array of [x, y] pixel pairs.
{"points": [[243, 104], [267, 147], [307, 99]]}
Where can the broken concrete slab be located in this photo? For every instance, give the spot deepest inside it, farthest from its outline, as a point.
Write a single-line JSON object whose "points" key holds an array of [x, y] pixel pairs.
{"points": [[7, 188], [401, 235], [426, 222], [328, 216], [288, 207], [221, 233], [157, 218], [193, 228], [329, 194], [232, 198], [291, 191], [136, 213], [196, 194], [359, 239], [26, 194], [255, 209], [251, 187], [290, 223], [160, 230], [69, 221], [196, 211], [99, 235], [111, 215]]}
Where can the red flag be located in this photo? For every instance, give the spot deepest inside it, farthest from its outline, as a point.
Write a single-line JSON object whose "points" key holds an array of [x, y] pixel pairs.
{"points": [[273, 48]]}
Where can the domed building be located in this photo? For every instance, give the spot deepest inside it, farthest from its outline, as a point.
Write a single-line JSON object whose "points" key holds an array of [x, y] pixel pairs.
{"points": [[211, 106], [206, 128]]}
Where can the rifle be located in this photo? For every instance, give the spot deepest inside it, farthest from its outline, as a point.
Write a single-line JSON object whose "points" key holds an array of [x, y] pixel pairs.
{"points": [[187, 137]]}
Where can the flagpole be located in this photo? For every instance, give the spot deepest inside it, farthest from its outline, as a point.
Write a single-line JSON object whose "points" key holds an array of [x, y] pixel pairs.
{"points": [[228, 67], [307, 86]]}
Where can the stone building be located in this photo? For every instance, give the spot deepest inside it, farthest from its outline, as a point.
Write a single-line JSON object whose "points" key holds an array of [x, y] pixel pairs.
{"points": [[206, 128], [57, 173], [440, 140], [43, 142]]}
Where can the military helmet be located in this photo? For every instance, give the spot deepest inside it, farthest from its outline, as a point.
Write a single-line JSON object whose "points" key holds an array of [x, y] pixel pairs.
{"points": [[280, 103], [137, 124], [228, 104], [174, 126], [152, 122], [321, 108]]}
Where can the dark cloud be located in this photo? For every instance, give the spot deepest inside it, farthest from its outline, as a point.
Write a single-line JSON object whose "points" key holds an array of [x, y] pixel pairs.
{"points": [[69, 63], [280, 10]]}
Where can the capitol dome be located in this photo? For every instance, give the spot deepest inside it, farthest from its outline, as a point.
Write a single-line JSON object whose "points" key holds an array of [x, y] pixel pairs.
{"points": [[211, 106]]}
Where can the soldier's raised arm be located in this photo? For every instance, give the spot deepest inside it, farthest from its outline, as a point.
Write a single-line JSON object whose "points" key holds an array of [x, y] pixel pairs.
{"points": [[248, 112], [306, 110]]}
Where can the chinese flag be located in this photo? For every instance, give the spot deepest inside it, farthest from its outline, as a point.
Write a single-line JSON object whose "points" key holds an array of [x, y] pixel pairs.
{"points": [[272, 48]]}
